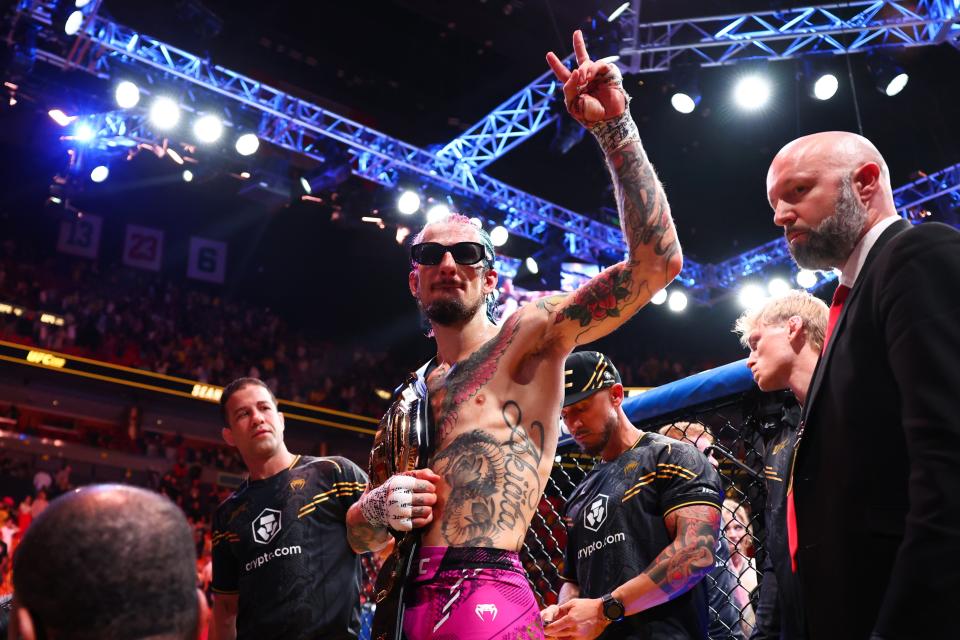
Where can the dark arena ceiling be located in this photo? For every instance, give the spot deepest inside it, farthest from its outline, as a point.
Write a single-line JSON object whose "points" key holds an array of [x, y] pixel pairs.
{"points": [[424, 71]]}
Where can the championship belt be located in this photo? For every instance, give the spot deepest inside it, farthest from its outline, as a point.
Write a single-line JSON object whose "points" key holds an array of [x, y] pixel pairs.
{"points": [[403, 443]]}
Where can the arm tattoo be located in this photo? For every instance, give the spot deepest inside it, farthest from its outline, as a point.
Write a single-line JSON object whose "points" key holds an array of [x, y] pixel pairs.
{"points": [[601, 298], [466, 378], [364, 536], [690, 556], [648, 232], [644, 214], [494, 486]]}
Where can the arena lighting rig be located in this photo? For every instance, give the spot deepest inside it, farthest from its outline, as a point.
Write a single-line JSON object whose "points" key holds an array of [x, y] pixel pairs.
{"points": [[112, 52]]}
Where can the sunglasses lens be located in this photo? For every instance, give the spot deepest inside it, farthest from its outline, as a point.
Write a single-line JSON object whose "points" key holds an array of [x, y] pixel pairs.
{"points": [[431, 253], [428, 253], [467, 252]]}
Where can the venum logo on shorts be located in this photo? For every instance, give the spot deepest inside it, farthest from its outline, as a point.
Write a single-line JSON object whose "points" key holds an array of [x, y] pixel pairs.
{"points": [[596, 513], [266, 526], [486, 608]]}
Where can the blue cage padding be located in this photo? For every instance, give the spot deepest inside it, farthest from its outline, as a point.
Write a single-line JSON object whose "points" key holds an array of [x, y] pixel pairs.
{"points": [[706, 386]]}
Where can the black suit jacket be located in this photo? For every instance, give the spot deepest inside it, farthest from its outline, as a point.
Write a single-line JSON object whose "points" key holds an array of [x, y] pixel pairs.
{"points": [[877, 470]]}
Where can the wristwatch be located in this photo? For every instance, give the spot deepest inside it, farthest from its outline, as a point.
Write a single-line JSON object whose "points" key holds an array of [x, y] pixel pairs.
{"points": [[612, 608]]}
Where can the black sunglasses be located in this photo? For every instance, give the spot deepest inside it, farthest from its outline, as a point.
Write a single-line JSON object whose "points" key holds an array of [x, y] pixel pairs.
{"points": [[431, 253]]}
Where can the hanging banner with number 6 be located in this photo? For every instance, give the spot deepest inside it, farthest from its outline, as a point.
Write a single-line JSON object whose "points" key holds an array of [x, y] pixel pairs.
{"points": [[143, 247], [80, 236], [208, 260]]}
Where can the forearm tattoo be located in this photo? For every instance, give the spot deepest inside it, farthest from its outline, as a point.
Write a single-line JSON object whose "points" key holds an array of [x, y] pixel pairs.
{"points": [[690, 556], [494, 486], [644, 213], [364, 536]]}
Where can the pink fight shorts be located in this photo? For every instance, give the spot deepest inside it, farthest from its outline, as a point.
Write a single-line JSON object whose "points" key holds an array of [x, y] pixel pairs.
{"points": [[470, 593]]}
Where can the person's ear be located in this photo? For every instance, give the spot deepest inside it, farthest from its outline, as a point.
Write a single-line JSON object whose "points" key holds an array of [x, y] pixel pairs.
{"points": [[796, 331], [866, 181], [616, 394], [413, 281], [21, 624], [227, 434], [203, 614]]}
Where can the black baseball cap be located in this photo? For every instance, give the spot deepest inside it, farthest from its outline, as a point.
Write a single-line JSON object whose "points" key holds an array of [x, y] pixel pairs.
{"points": [[585, 373]]}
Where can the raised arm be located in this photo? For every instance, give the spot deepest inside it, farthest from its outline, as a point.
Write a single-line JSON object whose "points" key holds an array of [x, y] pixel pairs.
{"points": [[594, 96], [677, 568]]}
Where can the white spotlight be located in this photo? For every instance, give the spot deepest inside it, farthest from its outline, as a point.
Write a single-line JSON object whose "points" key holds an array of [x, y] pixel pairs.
{"points": [[408, 203], [84, 132], [659, 297], [499, 235], [247, 144], [99, 173], [80, 4], [751, 295], [176, 157], [751, 92], [127, 95], [825, 87], [164, 113], [187, 175], [477, 222], [73, 23], [683, 103], [896, 85], [532, 265], [437, 212], [778, 287], [618, 12], [208, 128], [58, 116], [806, 278], [677, 301]]}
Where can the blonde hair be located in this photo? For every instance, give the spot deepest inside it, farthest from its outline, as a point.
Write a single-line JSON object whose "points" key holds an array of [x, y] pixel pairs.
{"points": [[687, 432], [810, 309], [734, 511]]}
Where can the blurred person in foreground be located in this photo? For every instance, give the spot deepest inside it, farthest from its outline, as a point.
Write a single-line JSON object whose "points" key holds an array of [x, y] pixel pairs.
{"points": [[107, 562]]}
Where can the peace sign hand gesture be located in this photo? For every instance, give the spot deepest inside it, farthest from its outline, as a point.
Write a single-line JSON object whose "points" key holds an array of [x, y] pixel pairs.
{"points": [[592, 92]]}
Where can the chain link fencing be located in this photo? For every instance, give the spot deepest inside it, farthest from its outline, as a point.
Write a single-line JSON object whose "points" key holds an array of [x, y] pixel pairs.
{"points": [[736, 429]]}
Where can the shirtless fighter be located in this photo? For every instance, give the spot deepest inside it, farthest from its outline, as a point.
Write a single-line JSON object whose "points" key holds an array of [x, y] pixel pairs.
{"points": [[495, 392]]}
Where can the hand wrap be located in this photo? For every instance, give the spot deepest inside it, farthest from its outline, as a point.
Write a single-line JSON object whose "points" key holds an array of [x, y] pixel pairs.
{"points": [[390, 504]]}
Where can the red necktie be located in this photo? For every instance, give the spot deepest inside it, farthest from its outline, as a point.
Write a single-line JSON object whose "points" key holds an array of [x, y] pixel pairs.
{"points": [[836, 306], [839, 297]]}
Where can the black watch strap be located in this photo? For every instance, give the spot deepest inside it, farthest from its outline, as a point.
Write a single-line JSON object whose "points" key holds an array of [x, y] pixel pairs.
{"points": [[612, 608]]}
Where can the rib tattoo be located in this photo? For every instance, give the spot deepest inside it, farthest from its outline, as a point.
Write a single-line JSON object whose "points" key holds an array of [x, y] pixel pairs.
{"points": [[494, 485]]}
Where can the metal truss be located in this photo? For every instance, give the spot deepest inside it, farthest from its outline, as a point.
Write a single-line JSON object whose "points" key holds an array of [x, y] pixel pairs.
{"points": [[103, 48], [926, 189], [294, 124], [509, 124], [836, 28]]}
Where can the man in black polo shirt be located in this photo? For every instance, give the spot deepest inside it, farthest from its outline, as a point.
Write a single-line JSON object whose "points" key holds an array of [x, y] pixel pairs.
{"points": [[642, 526], [282, 567]]}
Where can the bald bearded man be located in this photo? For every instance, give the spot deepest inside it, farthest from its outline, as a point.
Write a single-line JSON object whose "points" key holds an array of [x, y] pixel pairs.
{"points": [[874, 498]]}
